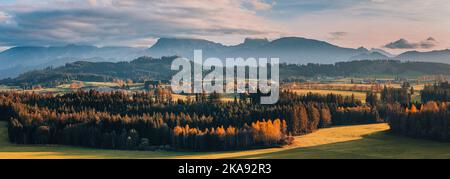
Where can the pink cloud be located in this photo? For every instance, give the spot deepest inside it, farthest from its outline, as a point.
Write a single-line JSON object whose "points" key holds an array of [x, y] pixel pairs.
{"points": [[260, 5]]}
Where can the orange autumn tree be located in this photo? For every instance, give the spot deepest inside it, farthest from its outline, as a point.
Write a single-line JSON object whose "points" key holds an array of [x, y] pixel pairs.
{"points": [[268, 133], [263, 133], [431, 107], [414, 109]]}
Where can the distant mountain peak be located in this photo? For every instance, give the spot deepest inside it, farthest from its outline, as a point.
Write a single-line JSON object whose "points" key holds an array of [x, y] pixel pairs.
{"points": [[253, 42], [362, 49], [295, 42], [431, 39], [370, 56], [381, 51], [256, 40], [183, 42]]}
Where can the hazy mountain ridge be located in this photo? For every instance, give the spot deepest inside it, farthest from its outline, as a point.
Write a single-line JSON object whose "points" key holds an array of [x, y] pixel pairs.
{"points": [[370, 56], [294, 50], [289, 49], [383, 52], [439, 56], [15, 60]]}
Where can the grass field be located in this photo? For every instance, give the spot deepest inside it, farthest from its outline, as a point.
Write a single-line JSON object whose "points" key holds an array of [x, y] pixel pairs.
{"points": [[86, 85], [363, 141], [4, 88], [358, 95]]}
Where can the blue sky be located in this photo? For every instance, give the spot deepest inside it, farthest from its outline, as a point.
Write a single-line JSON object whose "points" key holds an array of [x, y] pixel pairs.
{"points": [[395, 25]]}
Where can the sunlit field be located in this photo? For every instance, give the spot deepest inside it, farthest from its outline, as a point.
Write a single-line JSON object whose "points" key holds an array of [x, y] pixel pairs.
{"points": [[358, 95], [362, 141], [85, 85]]}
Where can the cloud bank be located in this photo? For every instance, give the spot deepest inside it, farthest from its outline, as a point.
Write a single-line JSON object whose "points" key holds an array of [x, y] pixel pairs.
{"points": [[260, 5], [3, 17], [337, 35], [127, 22], [405, 44], [352, 23]]}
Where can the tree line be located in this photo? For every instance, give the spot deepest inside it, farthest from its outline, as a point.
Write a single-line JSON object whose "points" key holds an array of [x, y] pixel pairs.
{"points": [[397, 95], [437, 92], [35, 125], [429, 121], [142, 120]]}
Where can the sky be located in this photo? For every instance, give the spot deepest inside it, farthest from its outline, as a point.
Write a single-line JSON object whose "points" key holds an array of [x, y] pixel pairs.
{"points": [[392, 25]]}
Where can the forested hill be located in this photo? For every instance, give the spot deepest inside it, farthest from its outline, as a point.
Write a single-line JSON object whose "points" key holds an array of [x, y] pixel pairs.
{"points": [[146, 68], [143, 68], [366, 68]]}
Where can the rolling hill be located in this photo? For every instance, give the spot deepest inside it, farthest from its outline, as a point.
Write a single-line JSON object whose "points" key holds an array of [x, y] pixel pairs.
{"points": [[143, 68], [147, 68]]}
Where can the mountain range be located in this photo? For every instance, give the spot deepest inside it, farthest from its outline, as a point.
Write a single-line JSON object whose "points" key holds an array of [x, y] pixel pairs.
{"points": [[294, 50], [442, 56], [17, 60], [289, 49]]}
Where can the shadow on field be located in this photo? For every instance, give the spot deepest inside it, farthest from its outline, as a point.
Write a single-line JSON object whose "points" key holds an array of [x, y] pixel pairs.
{"points": [[379, 145]]}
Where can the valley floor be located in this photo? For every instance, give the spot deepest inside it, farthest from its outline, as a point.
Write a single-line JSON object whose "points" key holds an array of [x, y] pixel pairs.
{"points": [[361, 141]]}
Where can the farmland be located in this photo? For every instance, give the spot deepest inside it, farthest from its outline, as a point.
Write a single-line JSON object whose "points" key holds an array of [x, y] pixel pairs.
{"points": [[362, 141], [359, 141]]}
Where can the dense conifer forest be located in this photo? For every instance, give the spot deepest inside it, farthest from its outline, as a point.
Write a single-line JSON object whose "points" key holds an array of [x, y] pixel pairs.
{"points": [[429, 119], [437, 92], [147, 121]]}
